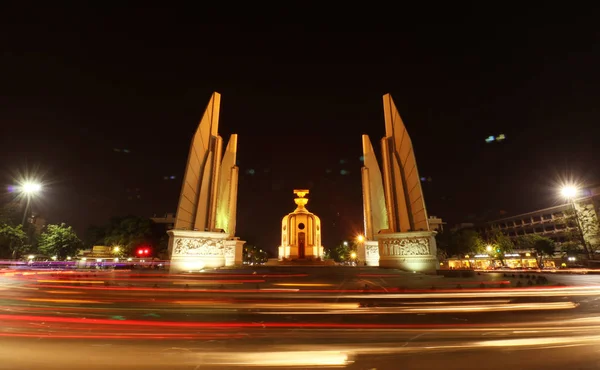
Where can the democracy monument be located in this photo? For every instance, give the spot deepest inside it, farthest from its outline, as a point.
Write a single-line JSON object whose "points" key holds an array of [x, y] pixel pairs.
{"points": [[204, 230], [397, 232], [301, 233]]}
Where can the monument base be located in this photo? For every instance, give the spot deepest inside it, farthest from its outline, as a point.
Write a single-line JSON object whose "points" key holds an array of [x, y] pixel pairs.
{"points": [[367, 253], [191, 251], [410, 251], [371, 253], [290, 252]]}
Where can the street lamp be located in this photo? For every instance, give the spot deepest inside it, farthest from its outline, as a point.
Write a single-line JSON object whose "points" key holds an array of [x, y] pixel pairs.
{"points": [[489, 248], [360, 238], [29, 189], [570, 192], [353, 255]]}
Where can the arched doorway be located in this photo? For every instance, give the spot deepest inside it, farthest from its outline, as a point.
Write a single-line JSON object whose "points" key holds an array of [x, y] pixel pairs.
{"points": [[301, 244]]}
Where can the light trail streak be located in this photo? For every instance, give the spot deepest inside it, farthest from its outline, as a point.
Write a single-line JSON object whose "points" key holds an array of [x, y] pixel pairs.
{"points": [[213, 282], [425, 309], [302, 284], [62, 292], [72, 281], [63, 300], [279, 359]]}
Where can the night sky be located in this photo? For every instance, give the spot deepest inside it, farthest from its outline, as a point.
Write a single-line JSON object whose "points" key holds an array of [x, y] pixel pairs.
{"points": [[102, 103]]}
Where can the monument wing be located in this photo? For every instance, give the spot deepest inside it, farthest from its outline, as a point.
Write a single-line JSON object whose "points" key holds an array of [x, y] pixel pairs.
{"points": [[404, 158], [199, 158]]}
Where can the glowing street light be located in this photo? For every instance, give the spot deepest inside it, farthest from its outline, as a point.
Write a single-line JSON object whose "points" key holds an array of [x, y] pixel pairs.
{"points": [[30, 188], [489, 248], [360, 238], [569, 192], [353, 255]]}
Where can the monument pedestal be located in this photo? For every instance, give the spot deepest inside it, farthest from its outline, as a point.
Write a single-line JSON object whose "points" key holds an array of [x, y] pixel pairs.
{"points": [[371, 252], [195, 250], [409, 251], [234, 252], [367, 253]]}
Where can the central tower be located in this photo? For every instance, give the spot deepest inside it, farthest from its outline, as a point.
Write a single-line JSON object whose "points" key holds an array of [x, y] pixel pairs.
{"points": [[300, 232]]}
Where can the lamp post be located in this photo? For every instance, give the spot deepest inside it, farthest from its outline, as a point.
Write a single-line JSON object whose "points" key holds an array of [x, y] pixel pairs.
{"points": [[29, 189], [361, 252], [569, 192]]}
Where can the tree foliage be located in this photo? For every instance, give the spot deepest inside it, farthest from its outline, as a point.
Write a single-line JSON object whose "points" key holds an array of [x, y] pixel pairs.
{"points": [[468, 241], [12, 241], [253, 254], [11, 214], [590, 227], [59, 240], [128, 233], [499, 242], [338, 253], [543, 246]]}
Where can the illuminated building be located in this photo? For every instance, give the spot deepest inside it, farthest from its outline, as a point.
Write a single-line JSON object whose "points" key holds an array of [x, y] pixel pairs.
{"points": [[300, 232], [557, 222]]}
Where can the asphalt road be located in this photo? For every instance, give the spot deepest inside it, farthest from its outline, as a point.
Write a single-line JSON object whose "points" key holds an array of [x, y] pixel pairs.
{"points": [[295, 318]]}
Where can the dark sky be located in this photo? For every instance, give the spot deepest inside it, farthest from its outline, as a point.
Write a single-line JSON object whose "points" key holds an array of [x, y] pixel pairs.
{"points": [[78, 83]]}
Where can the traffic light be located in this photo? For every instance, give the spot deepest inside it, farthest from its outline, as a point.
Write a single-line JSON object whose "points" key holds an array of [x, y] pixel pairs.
{"points": [[143, 251]]}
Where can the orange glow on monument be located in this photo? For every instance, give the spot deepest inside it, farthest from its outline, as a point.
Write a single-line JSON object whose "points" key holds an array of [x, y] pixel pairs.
{"points": [[204, 230], [300, 232], [397, 232]]}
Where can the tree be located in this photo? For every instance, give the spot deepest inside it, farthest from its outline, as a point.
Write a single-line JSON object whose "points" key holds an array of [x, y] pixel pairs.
{"points": [[11, 214], [128, 233], [338, 253], [468, 241], [12, 241], [499, 242], [543, 246], [253, 254], [59, 240], [590, 227]]}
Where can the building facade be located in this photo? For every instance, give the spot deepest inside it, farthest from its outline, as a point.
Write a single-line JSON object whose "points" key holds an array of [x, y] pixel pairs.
{"points": [[572, 221], [566, 223]]}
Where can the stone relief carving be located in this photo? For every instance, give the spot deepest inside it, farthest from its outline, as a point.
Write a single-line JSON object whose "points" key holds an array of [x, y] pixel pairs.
{"points": [[229, 251], [371, 251], [198, 247], [405, 247]]}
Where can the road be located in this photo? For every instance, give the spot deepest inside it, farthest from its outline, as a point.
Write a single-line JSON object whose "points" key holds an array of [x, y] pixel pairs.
{"points": [[294, 318]]}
